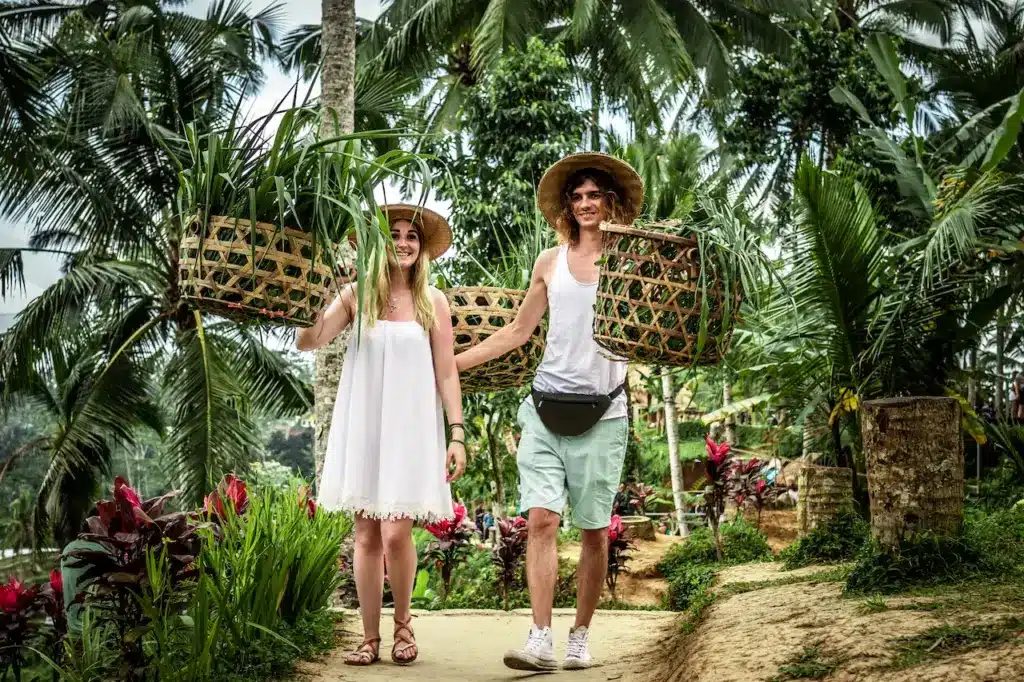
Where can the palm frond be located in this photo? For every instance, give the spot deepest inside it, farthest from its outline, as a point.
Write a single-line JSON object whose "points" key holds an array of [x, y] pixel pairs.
{"points": [[211, 431], [270, 381]]}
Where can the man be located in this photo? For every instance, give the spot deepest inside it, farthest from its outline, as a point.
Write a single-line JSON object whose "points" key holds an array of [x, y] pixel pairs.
{"points": [[574, 428]]}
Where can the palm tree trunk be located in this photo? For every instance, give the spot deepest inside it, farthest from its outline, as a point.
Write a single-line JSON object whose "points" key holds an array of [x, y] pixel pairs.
{"points": [[338, 83], [1000, 362], [596, 96], [972, 381], [493, 431], [730, 422], [915, 455], [673, 450]]}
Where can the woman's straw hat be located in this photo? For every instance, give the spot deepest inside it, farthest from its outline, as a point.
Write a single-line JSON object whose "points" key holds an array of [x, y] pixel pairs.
{"points": [[552, 185], [437, 235]]}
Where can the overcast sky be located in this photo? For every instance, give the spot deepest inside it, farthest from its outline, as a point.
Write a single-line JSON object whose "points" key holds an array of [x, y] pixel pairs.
{"points": [[42, 271]]}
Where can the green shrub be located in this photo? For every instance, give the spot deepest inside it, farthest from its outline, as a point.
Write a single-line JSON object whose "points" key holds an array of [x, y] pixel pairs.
{"points": [[838, 540], [687, 584], [742, 543], [991, 547], [475, 585]]}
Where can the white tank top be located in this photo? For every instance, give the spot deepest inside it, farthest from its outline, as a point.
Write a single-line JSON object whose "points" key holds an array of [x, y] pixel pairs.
{"points": [[573, 362]]}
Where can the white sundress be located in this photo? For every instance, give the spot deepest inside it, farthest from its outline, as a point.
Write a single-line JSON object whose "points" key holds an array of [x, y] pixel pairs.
{"points": [[386, 448]]}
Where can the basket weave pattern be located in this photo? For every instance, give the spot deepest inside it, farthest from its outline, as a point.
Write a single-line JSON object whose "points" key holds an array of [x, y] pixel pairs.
{"points": [[649, 300], [478, 312], [243, 272]]}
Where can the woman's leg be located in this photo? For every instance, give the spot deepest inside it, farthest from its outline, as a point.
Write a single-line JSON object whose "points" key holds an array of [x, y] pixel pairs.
{"points": [[401, 552], [369, 570], [401, 555]]}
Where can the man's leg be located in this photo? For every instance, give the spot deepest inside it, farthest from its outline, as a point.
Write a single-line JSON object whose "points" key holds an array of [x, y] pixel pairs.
{"points": [[590, 574], [593, 467], [542, 563], [543, 496]]}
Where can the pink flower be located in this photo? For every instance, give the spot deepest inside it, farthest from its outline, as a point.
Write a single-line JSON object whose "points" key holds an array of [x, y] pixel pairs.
{"points": [[14, 597], [57, 582], [717, 452], [761, 486], [518, 521], [615, 528]]}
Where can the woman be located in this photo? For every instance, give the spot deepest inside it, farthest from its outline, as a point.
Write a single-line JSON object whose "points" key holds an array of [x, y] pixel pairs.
{"points": [[386, 459]]}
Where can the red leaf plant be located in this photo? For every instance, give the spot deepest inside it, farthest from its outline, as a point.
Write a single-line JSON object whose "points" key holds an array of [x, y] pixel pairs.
{"points": [[508, 554], [231, 489], [20, 616], [717, 467], [619, 550], [129, 531], [741, 480], [640, 495], [451, 547]]}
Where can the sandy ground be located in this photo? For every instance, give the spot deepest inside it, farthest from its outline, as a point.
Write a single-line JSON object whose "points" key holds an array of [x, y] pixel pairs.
{"points": [[469, 645], [746, 637]]}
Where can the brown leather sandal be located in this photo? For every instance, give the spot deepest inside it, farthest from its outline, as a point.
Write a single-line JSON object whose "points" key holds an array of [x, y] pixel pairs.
{"points": [[407, 640], [368, 653]]}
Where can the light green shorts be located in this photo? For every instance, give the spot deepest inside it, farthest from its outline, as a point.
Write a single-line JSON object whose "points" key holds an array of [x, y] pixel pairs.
{"points": [[582, 470]]}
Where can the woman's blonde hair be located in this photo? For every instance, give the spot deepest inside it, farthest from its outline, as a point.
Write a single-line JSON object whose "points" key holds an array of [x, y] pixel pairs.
{"points": [[419, 283]]}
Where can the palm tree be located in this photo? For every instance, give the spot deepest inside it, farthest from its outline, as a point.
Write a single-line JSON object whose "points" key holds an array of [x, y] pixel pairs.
{"points": [[629, 55], [122, 82], [97, 399], [338, 85]]}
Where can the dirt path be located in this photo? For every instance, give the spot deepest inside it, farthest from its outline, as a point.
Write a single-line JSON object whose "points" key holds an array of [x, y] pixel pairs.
{"points": [[468, 645], [746, 637]]}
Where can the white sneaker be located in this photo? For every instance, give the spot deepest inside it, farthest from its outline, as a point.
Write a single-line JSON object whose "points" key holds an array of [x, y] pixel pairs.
{"points": [[537, 655], [577, 652]]}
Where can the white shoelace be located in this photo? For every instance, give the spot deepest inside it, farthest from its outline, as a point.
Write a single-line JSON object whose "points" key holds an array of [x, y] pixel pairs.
{"points": [[536, 642], [577, 646]]}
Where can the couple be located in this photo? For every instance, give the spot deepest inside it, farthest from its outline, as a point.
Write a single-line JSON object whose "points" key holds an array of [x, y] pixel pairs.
{"points": [[389, 476]]}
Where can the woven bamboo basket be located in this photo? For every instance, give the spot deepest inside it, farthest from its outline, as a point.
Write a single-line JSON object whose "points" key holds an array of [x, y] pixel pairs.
{"points": [[478, 312], [231, 268], [650, 296]]}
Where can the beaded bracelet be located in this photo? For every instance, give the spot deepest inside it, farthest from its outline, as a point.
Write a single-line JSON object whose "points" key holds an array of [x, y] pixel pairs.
{"points": [[452, 426]]}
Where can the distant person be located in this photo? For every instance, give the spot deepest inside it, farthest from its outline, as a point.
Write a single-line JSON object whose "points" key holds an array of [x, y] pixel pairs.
{"points": [[1017, 405], [387, 460], [478, 517]]}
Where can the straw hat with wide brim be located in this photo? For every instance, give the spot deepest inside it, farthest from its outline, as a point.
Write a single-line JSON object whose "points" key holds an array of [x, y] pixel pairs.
{"points": [[437, 235], [552, 185]]}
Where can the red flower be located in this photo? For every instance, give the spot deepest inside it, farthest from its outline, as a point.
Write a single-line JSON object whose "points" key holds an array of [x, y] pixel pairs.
{"points": [[717, 452], [739, 499], [305, 500], [518, 521], [14, 597], [57, 582], [124, 493], [615, 528], [445, 528], [231, 488], [762, 485]]}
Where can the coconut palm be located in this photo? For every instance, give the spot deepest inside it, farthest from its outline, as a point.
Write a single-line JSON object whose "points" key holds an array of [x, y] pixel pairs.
{"points": [[123, 81], [97, 399]]}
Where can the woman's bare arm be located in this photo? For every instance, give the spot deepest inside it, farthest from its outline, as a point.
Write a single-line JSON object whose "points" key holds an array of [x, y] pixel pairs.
{"points": [[330, 323], [449, 387]]}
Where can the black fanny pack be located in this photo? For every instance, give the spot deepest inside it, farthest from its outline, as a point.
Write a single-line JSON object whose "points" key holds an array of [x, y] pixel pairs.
{"points": [[572, 414]]}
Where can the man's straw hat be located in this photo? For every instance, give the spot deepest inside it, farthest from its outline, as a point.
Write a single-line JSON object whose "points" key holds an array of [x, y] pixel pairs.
{"points": [[437, 235], [552, 185]]}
